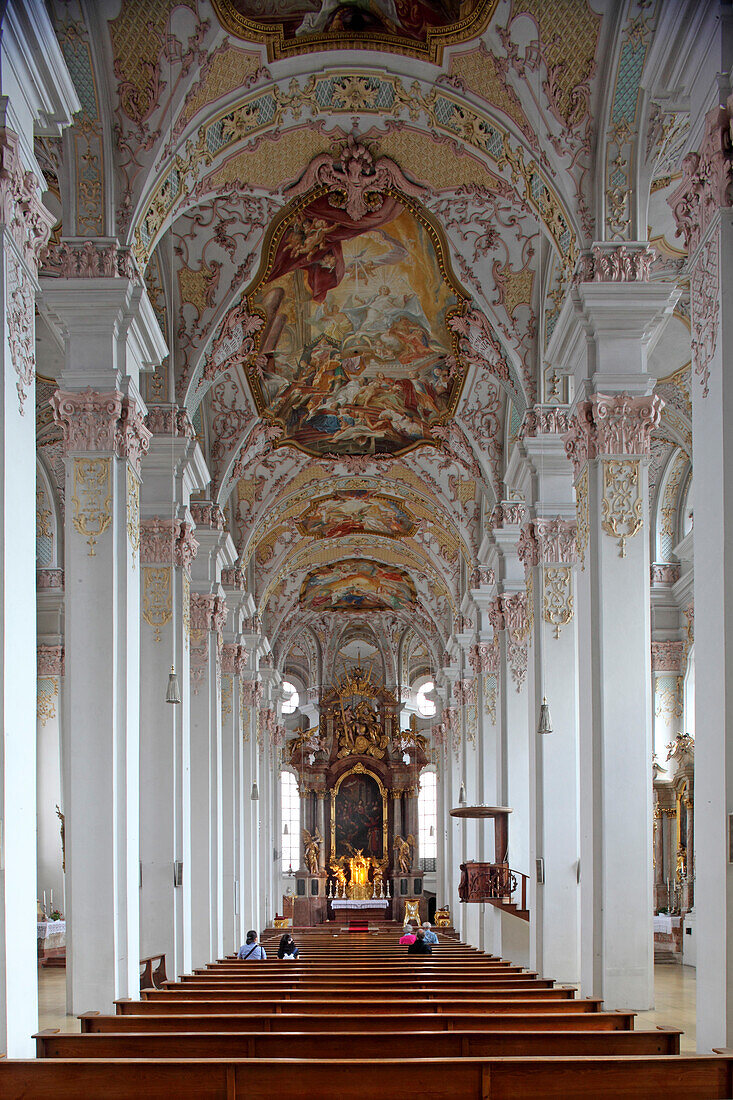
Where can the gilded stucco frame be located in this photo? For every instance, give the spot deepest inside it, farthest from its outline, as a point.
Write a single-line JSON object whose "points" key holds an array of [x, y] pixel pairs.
{"points": [[359, 769]]}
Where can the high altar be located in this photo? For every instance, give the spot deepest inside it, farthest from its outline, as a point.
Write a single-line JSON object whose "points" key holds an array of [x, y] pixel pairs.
{"points": [[358, 777]]}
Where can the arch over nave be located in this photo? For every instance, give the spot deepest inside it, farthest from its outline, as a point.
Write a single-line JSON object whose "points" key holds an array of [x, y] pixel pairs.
{"points": [[379, 352]]}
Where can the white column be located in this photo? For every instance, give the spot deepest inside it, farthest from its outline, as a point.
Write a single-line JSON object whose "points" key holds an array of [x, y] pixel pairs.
{"points": [[102, 702], [251, 695], [110, 335], [24, 229], [508, 616], [603, 335], [233, 663], [548, 551], [702, 207]]}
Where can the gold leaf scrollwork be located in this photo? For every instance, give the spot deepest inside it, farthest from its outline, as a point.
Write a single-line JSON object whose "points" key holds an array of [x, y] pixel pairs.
{"points": [[133, 513], [490, 688], [557, 596], [581, 510], [92, 498], [157, 602], [47, 691], [622, 505], [186, 605]]}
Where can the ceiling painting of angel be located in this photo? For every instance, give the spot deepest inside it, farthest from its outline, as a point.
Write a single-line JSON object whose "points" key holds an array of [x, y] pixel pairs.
{"points": [[355, 355]]}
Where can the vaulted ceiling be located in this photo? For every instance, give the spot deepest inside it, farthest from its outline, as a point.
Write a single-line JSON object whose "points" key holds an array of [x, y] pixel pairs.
{"points": [[357, 350]]}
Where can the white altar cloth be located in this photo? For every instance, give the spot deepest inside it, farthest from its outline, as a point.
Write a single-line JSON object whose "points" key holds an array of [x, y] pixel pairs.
{"points": [[51, 936], [348, 903], [663, 923]]}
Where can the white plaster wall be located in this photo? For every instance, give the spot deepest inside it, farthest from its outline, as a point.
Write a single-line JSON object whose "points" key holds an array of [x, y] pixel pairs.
{"points": [[48, 795]]}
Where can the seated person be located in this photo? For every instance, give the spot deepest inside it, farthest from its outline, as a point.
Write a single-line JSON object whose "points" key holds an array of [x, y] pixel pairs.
{"points": [[420, 947], [287, 948], [430, 936], [408, 936], [252, 950]]}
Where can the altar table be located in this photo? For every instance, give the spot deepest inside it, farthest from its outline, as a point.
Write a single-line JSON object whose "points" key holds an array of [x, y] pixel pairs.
{"points": [[346, 908], [51, 937]]}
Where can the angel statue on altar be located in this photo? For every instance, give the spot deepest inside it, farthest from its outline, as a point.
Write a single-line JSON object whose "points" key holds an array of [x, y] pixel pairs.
{"points": [[404, 849], [337, 867], [312, 850]]}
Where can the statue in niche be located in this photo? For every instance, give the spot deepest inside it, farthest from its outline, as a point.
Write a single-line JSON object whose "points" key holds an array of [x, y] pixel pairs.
{"points": [[312, 846], [404, 849]]}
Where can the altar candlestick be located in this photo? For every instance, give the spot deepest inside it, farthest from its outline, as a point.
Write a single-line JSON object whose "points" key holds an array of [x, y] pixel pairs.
{"points": [[52, 899], [45, 910]]}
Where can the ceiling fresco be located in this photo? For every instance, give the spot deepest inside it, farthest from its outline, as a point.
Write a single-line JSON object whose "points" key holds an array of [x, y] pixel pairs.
{"points": [[357, 584], [356, 355], [301, 184], [418, 27], [356, 512]]}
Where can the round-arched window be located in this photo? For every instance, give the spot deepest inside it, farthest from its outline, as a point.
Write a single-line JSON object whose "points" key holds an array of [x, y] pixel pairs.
{"points": [[291, 701], [425, 707]]}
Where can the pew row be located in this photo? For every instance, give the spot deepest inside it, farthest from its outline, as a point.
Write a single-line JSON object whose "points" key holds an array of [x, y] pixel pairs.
{"points": [[637, 1077], [52, 1043], [94, 1022]]}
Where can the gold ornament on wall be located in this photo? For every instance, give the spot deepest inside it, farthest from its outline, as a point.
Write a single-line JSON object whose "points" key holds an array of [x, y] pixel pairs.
{"points": [[47, 691], [186, 605], [557, 596], [157, 602], [581, 511], [92, 498], [622, 506], [133, 513]]}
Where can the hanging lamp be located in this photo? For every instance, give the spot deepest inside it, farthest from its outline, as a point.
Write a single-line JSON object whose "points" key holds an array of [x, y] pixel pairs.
{"points": [[545, 723], [173, 691]]}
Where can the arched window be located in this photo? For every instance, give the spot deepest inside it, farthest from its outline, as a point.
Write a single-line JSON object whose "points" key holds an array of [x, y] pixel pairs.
{"points": [[427, 818], [292, 698], [425, 707], [290, 840]]}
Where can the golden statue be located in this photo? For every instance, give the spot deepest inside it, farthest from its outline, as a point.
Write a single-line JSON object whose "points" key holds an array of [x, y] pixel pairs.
{"points": [[379, 873], [681, 866], [359, 731], [337, 867], [312, 846], [404, 849], [359, 876]]}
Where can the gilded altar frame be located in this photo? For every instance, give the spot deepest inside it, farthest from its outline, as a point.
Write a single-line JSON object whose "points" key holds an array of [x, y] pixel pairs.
{"points": [[359, 769]]}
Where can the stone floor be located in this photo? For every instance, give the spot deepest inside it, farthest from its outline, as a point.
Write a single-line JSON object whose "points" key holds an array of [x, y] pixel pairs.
{"points": [[674, 994], [674, 998]]}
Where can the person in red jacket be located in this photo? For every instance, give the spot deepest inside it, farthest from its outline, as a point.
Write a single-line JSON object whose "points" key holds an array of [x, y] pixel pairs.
{"points": [[408, 936]]}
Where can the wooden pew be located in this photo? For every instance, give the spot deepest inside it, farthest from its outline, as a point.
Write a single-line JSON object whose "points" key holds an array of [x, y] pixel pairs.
{"points": [[446, 1044], [94, 1022], [341, 1006], [642, 1077]]}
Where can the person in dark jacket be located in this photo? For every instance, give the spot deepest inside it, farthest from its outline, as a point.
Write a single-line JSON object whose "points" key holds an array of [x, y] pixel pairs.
{"points": [[420, 947], [287, 948]]}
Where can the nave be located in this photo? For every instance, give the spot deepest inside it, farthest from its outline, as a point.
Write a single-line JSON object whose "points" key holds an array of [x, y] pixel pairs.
{"points": [[356, 1015]]}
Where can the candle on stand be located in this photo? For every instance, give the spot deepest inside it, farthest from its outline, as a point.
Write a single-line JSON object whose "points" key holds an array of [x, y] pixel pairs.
{"points": [[52, 899], [45, 910]]}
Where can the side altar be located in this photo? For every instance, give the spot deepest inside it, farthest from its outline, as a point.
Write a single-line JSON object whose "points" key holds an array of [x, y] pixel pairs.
{"points": [[358, 779]]}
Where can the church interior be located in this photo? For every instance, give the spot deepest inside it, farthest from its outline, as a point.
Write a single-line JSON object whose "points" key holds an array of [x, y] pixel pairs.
{"points": [[357, 358]]}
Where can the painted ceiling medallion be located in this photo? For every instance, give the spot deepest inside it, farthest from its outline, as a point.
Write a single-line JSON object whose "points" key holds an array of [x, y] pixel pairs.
{"points": [[356, 355], [356, 512], [358, 584], [420, 28]]}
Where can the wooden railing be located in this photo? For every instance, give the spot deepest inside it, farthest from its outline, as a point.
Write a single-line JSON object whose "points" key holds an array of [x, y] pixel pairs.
{"points": [[496, 883]]}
